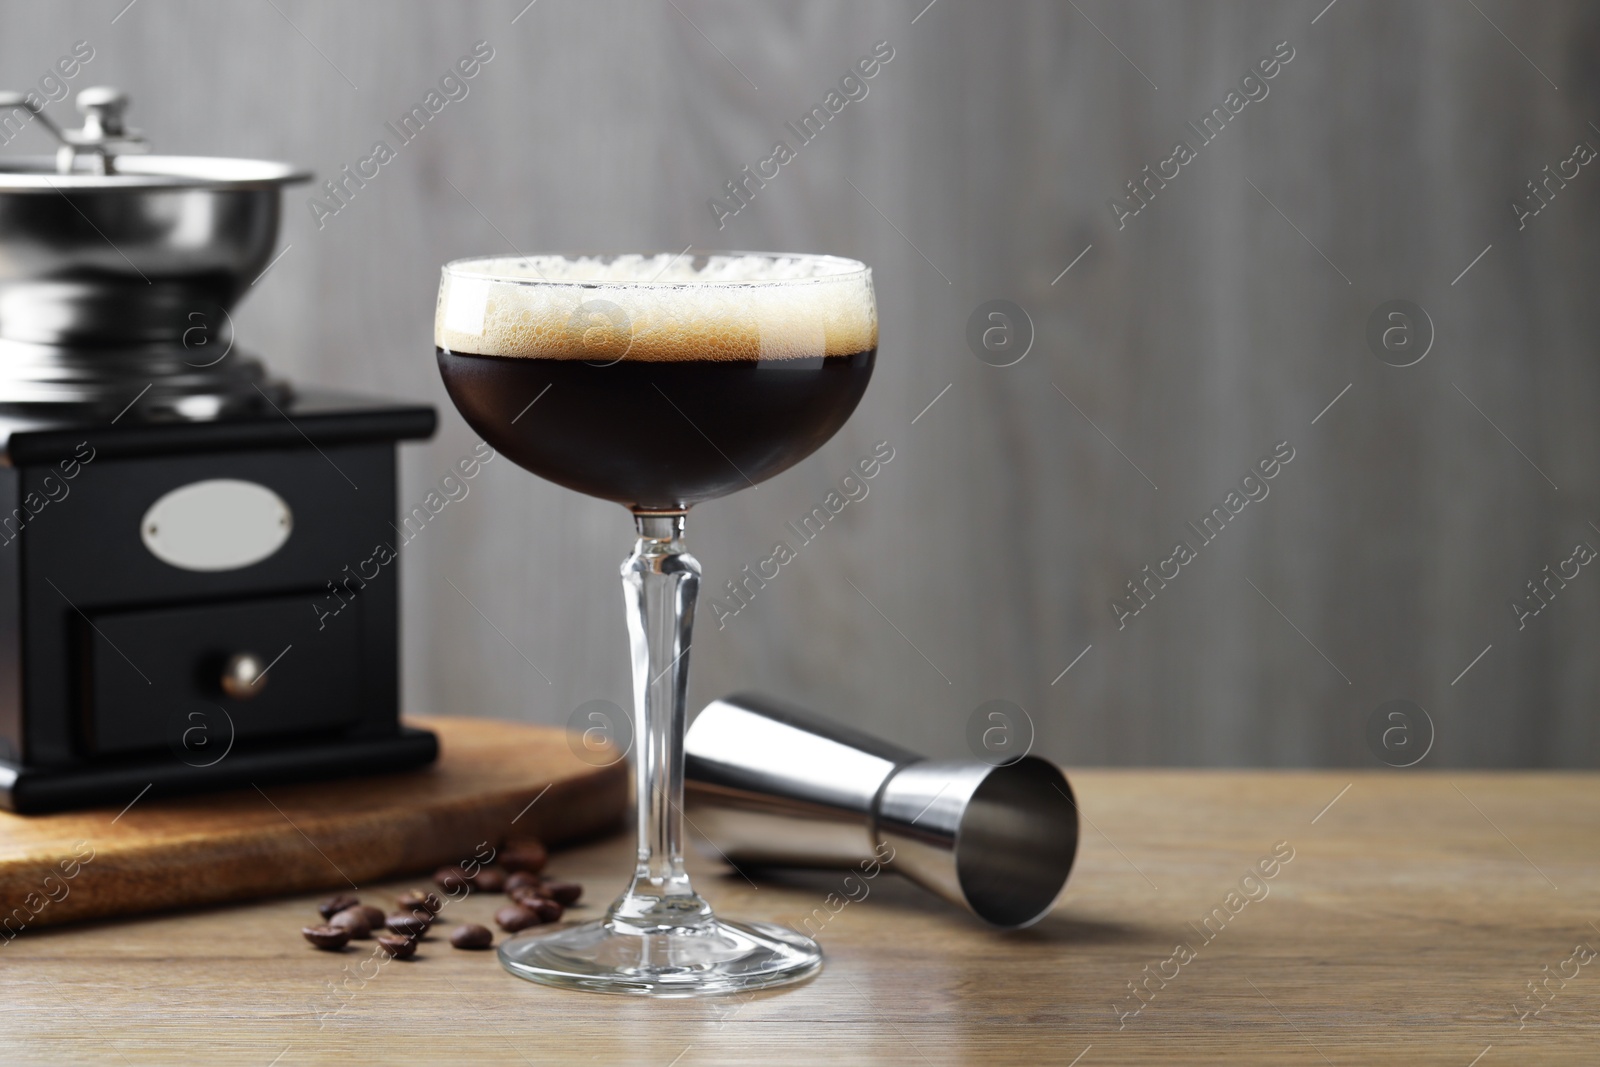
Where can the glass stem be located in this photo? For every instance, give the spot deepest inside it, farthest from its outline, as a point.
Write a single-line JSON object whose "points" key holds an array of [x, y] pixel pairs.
{"points": [[660, 582]]}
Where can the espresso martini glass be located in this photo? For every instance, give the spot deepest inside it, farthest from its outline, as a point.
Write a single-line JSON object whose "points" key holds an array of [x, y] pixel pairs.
{"points": [[658, 381]]}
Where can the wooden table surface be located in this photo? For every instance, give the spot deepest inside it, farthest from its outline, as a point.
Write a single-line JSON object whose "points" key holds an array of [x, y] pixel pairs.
{"points": [[1407, 928]]}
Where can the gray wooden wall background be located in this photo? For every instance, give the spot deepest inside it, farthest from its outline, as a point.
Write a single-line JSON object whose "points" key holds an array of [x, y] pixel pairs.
{"points": [[1217, 322]]}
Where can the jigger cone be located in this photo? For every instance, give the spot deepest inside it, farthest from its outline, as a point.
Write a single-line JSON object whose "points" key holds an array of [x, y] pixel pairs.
{"points": [[772, 784]]}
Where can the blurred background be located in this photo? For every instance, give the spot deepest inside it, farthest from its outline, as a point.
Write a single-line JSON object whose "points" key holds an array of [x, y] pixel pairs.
{"points": [[1246, 306]]}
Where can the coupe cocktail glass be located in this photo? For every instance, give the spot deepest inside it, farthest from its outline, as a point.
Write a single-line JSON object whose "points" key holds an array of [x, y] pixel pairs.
{"points": [[658, 382]]}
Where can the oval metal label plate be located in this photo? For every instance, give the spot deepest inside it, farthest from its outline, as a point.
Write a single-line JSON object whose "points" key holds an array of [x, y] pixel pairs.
{"points": [[220, 524]]}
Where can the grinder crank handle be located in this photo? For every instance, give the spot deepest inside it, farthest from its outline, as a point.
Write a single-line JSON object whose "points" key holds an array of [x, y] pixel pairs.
{"points": [[10, 99]]}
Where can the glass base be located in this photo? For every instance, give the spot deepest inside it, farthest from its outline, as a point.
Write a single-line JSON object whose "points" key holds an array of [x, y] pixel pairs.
{"points": [[689, 961]]}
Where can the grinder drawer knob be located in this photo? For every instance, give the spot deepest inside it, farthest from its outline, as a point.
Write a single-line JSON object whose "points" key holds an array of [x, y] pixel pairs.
{"points": [[244, 675]]}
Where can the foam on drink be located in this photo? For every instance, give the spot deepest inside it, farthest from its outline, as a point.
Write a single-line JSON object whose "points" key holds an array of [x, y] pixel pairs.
{"points": [[660, 308]]}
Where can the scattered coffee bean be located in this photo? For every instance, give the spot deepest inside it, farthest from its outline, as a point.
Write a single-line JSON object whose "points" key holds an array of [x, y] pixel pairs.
{"points": [[415, 899], [471, 935], [529, 855], [450, 879], [355, 921], [514, 917], [401, 948], [375, 917], [489, 880], [566, 893], [329, 938], [409, 923], [549, 911], [524, 895], [334, 905], [521, 880]]}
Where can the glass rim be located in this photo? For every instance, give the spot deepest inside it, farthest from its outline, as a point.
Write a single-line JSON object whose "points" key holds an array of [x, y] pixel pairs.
{"points": [[458, 268]]}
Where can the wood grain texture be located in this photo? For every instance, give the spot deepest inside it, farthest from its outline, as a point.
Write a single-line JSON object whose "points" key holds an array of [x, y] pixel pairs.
{"points": [[1404, 931], [189, 851], [1195, 338]]}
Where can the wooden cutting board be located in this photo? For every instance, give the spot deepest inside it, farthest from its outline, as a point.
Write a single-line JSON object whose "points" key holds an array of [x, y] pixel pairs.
{"points": [[492, 779]]}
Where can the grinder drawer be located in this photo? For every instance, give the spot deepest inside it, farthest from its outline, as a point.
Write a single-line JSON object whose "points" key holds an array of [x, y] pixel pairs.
{"points": [[154, 678]]}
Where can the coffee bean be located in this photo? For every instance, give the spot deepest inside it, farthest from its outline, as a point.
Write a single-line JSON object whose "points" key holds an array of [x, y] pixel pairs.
{"points": [[329, 938], [401, 948], [354, 920], [375, 917], [566, 893], [409, 923], [471, 935], [549, 911], [489, 880], [334, 905], [450, 879], [521, 880], [415, 899], [528, 855], [514, 917], [525, 895]]}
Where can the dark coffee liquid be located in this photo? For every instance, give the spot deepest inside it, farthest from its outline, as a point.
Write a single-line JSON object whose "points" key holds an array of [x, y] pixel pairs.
{"points": [[655, 435]]}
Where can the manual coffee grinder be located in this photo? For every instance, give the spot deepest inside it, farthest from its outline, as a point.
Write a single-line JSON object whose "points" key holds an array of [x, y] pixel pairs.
{"points": [[174, 522]]}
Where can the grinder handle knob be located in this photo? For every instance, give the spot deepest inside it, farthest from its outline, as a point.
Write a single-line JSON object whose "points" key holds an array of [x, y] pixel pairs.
{"points": [[244, 675], [102, 108]]}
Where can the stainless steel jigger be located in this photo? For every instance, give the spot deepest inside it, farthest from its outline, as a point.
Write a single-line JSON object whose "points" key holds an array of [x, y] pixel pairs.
{"points": [[773, 784]]}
